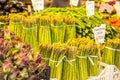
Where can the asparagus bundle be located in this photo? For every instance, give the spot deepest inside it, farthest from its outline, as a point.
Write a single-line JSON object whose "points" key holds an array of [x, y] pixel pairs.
{"points": [[69, 65], [117, 54], [16, 24], [92, 59], [60, 66], [70, 30], [29, 33], [57, 28], [45, 51], [56, 57], [111, 53], [81, 61], [44, 30]]}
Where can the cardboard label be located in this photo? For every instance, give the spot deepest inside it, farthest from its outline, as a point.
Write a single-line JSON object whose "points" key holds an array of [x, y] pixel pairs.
{"points": [[90, 7], [105, 7], [74, 2], [99, 33], [38, 5]]}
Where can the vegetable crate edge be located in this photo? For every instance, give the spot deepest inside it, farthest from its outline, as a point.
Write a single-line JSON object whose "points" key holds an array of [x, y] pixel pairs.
{"points": [[110, 72], [45, 76]]}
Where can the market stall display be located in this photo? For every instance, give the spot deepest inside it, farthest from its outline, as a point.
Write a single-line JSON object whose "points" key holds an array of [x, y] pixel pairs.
{"points": [[63, 39], [57, 25]]}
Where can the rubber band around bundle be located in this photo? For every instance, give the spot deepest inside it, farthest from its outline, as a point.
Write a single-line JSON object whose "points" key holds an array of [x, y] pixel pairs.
{"points": [[89, 57], [45, 58], [16, 22], [112, 49], [53, 60], [60, 61], [28, 28], [70, 61], [91, 60], [93, 56], [33, 49], [81, 56]]}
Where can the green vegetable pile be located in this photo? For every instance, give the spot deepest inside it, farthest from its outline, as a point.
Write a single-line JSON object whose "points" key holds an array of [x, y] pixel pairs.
{"points": [[84, 24], [56, 25]]}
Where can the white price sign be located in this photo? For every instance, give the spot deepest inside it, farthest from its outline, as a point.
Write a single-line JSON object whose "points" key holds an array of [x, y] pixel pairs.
{"points": [[74, 2], [38, 5], [117, 7], [90, 7], [99, 33]]}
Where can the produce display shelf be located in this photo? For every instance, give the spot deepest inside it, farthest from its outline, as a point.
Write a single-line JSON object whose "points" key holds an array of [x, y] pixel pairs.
{"points": [[110, 72]]}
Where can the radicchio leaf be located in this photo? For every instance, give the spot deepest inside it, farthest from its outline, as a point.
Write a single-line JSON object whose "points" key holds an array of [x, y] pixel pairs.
{"points": [[7, 65]]}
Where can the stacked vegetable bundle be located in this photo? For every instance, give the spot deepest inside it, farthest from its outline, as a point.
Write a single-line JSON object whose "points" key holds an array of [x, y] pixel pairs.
{"points": [[16, 60], [15, 24], [111, 53], [44, 30], [56, 25], [29, 32], [56, 28], [73, 60], [24, 27]]}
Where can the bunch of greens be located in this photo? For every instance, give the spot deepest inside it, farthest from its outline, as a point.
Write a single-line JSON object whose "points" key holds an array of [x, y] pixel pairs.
{"points": [[16, 59]]}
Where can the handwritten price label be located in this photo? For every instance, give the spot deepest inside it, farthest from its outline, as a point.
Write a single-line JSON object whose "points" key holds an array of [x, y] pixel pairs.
{"points": [[99, 33], [90, 7], [74, 2], [38, 5]]}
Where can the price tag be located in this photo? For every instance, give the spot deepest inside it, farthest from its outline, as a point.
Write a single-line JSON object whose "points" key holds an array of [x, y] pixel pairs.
{"points": [[74, 2], [117, 7], [38, 5], [99, 33], [90, 7]]}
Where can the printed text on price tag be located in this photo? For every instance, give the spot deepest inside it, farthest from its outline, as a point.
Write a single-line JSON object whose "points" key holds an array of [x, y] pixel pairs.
{"points": [[99, 33], [38, 5], [90, 8], [74, 2]]}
